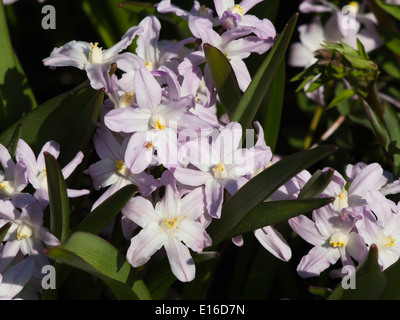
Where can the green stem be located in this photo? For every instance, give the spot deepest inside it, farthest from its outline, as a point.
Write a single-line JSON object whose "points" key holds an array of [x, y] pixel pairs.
{"points": [[313, 126]]}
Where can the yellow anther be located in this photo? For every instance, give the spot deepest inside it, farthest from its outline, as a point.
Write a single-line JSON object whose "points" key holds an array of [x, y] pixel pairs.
{"points": [[95, 54], [149, 145], [122, 168], [391, 242], [171, 223], [126, 99], [337, 244], [159, 126], [355, 5], [7, 188], [24, 232], [338, 240], [343, 195], [237, 9], [219, 167], [150, 66]]}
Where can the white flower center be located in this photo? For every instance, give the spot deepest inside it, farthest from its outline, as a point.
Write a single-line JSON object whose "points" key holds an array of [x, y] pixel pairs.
{"points": [[122, 169], [354, 6], [338, 240], [237, 9], [95, 54], [150, 66], [42, 178], [24, 231], [170, 225], [386, 242], [341, 201], [126, 100], [7, 188], [158, 122], [220, 171]]}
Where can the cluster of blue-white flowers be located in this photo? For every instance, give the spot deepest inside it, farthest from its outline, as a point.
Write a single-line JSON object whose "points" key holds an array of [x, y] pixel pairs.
{"points": [[162, 112]]}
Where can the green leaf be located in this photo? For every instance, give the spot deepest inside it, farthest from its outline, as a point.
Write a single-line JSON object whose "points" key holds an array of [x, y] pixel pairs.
{"points": [[110, 21], [262, 186], [377, 124], [361, 49], [53, 119], [392, 9], [15, 93], [261, 83], [390, 39], [12, 145], [392, 290], [99, 218], [320, 291], [81, 132], [342, 96], [392, 123], [273, 107], [369, 281], [138, 7], [4, 230], [316, 184], [271, 212], [90, 253], [223, 77], [59, 202], [160, 278]]}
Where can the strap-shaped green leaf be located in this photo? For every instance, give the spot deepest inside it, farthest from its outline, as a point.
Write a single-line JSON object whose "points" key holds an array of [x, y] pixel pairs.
{"points": [[260, 187], [98, 257], [392, 9], [272, 212], [392, 290], [82, 129], [59, 202], [316, 185], [223, 77], [15, 93], [4, 230], [369, 280], [99, 218], [53, 119], [12, 145], [273, 107], [259, 86]]}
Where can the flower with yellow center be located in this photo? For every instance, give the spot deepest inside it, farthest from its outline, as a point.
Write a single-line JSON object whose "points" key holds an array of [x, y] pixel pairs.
{"points": [[333, 238], [126, 100], [94, 60], [158, 122], [355, 5], [122, 169], [237, 9], [24, 232], [170, 223], [338, 240], [7, 188], [150, 66], [220, 171], [341, 201], [96, 53]]}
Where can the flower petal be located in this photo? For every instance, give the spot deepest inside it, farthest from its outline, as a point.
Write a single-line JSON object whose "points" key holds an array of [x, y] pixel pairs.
{"points": [[145, 244], [180, 260]]}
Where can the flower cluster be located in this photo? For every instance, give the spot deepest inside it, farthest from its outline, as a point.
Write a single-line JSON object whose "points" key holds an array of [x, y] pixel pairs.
{"points": [[159, 129], [21, 210], [161, 112], [359, 216]]}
